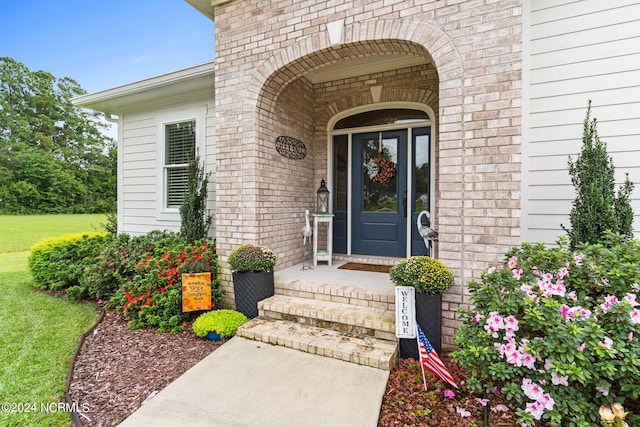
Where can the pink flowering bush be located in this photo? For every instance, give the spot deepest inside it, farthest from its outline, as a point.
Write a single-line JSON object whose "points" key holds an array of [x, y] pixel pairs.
{"points": [[558, 332]]}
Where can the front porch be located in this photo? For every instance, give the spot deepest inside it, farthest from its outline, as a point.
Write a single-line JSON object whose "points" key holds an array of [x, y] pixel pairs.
{"points": [[343, 314]]}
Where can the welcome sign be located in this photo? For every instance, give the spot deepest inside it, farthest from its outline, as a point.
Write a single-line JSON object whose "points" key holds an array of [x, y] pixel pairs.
{"points": [[405, 312]]}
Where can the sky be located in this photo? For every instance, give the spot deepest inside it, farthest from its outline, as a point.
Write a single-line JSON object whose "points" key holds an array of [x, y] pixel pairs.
{"points": [[105, 43]]}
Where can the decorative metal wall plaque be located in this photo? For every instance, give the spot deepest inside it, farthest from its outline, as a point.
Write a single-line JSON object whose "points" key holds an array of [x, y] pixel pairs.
{"points": [[290, 147]]}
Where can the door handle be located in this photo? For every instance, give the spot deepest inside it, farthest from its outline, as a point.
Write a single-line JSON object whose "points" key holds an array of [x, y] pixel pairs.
{"points": [[404, 204]]}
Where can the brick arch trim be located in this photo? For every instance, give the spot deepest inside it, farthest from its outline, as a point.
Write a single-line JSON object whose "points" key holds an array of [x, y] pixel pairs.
{"points": [[291, 62]]}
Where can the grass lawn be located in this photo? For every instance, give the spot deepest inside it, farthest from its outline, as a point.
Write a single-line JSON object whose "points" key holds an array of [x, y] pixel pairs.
{"points": [[20, 232], [39, 332]]}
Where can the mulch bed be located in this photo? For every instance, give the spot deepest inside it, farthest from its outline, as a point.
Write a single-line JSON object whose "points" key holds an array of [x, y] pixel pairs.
{"points": [[117, 369], [406, 402]]}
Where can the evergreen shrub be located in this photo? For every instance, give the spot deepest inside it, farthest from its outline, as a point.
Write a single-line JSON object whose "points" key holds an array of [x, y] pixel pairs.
{"points": [[596, 207], [58, 263]]}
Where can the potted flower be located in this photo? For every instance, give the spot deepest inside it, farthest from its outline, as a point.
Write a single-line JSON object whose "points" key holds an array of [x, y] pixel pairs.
{"points": [[430, 277], [252, 270], [218, 324]]}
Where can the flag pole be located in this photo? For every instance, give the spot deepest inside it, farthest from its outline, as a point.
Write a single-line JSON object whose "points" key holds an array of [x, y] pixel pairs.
{"points": [[424, 379]]}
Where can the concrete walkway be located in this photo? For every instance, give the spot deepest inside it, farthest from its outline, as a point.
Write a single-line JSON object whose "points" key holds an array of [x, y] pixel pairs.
{"points": [[249, 383]]}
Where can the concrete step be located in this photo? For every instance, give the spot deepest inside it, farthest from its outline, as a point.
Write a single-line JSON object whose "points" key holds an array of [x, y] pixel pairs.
{"points": [[368, 351], [316, 289], [365, 321]]}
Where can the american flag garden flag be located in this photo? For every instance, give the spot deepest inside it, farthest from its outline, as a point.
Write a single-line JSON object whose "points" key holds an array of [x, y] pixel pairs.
{"points": [[430, 360]]}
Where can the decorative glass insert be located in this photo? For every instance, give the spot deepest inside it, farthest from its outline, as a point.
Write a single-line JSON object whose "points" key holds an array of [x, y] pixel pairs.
{"points": [[379, 160], [382, 117]]}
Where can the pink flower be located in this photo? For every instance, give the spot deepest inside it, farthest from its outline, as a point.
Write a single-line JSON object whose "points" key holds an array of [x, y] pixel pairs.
{"points": [[513, 262], [536, 409], [556, 380], [577, 258], [606, 343], [581, 347], [450, 394], [483, 402], [517, 272], [609, 301], [602, 390], [631, 299], [463, 412], [635, 316], [532, 390]]}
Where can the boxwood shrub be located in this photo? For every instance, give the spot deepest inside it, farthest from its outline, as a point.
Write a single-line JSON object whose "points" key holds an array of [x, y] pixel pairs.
{"points": [[58, 263]]}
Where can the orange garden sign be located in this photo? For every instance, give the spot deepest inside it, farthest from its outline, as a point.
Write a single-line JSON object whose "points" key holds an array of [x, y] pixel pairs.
{"points": [[196, 292]]}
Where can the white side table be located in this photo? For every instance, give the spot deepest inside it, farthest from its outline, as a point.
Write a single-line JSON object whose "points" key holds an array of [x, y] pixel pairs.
{"points": [[322, 255]]}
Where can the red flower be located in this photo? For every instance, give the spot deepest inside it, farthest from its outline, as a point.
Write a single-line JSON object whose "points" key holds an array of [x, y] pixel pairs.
{"points": [[198, 257], [128, 295], [148, 301]]}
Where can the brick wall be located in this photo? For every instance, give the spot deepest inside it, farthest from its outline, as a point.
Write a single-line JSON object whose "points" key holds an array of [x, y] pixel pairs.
{"points": [[472, 81]]}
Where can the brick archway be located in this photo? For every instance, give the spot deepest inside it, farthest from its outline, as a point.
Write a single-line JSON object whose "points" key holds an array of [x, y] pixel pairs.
{"points": [[370, 38]]}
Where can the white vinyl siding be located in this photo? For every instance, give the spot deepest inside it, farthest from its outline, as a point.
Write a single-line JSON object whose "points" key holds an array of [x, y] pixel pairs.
{"points": [[576, 51], [143, 200]]}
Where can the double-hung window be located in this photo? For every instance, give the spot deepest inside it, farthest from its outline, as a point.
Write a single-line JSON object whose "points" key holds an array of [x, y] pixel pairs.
{"points": [[180, 138], [179, 149]]}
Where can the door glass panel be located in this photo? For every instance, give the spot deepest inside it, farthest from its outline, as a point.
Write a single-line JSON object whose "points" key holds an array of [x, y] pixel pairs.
{"points": [[421, 170], [341, 155], [379, 160]]}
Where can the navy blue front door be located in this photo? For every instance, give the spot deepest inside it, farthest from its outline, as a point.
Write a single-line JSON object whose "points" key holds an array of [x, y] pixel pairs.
{"points": [[379, 225]]}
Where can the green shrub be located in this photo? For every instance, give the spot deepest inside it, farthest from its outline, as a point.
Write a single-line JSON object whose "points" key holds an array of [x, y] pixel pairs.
{"points": [[58, 263], [151, 296], [424, 273], [252, 258], [558, 332], [596, 207], [195, 222], [224, 322], [118, 262]]}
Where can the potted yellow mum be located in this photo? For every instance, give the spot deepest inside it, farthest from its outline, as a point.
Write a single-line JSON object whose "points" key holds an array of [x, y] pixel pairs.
{"points": [[252, 270], [430, 277]]}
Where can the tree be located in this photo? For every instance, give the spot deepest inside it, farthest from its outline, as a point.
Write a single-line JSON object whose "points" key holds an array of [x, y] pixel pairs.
{"points": [[193, 211], [53, 155], [596, 207]]}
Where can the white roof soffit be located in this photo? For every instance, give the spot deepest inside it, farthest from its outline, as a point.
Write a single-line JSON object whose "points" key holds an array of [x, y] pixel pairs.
{"points": [[206, 6], [181, 85]]}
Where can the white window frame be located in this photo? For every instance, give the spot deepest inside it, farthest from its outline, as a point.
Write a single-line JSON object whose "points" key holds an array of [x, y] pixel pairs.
{"points": [[163, 213]]}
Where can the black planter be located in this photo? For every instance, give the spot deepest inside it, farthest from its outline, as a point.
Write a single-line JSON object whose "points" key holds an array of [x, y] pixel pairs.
{"points": [[249, 288], [429, 317]]}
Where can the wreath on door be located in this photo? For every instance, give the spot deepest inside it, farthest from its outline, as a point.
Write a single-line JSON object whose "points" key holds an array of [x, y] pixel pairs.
{"points": [[381, 170]]}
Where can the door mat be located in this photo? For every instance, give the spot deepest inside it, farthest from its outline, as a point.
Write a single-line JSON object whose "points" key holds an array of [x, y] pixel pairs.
{"points": [[378, 268]]}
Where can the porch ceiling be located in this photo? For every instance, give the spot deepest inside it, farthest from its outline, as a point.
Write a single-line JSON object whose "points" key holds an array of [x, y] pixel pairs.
{"points": [[358, 66]]}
